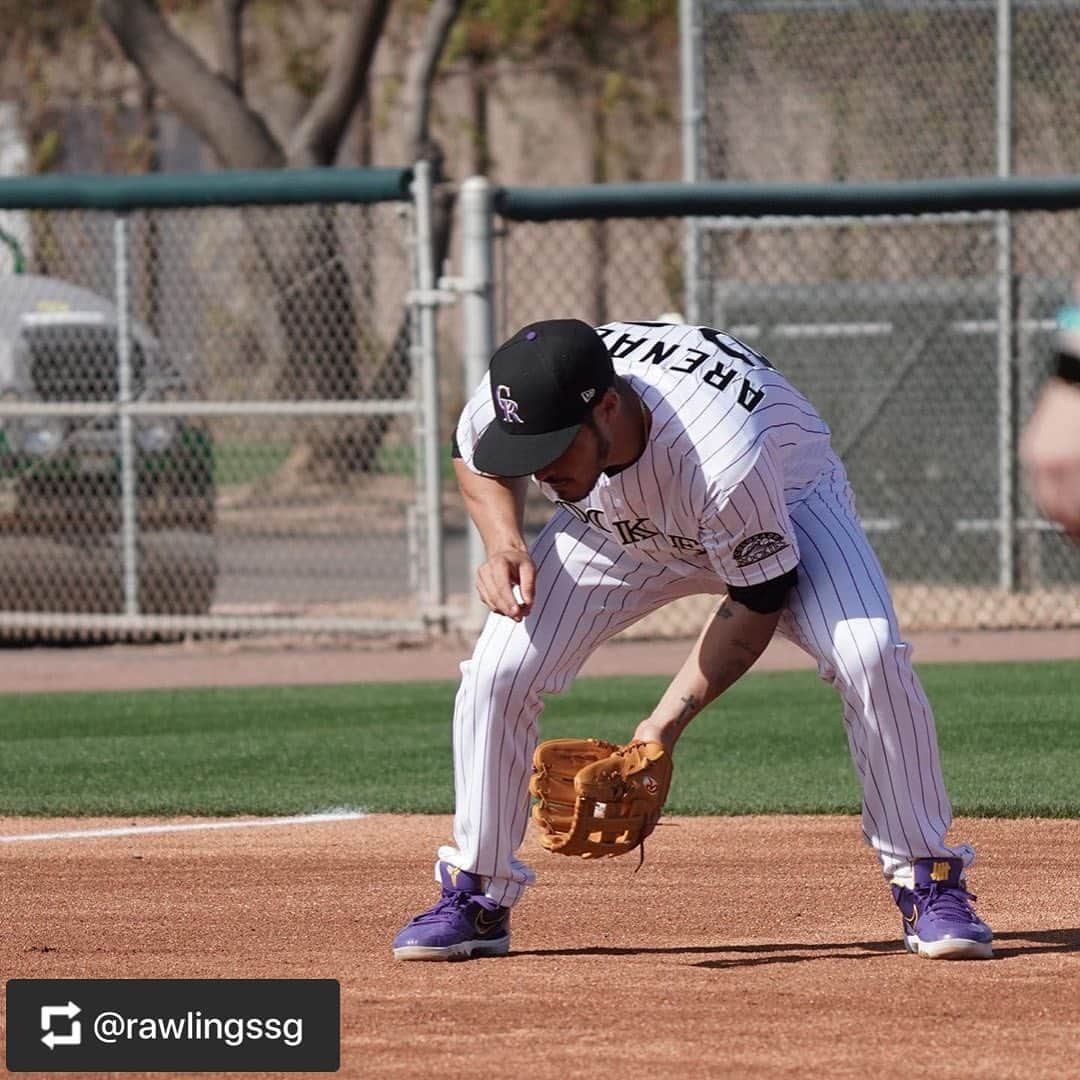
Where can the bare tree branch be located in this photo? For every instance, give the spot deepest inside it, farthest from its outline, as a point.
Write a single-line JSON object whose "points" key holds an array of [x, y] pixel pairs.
{"points": [[237, 134], [229, 16], [324, 350], [416, 97], [318, 136]]}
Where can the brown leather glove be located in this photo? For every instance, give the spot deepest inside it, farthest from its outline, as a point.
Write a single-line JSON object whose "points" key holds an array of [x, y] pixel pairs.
{"points": [[596, 798]]}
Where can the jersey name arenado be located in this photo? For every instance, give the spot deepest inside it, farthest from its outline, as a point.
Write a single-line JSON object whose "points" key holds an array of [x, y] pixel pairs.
{"points": [[733, 445]]}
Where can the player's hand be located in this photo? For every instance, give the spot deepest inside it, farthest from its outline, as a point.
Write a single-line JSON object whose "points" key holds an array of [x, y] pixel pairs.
{"points": [[501, 576]]}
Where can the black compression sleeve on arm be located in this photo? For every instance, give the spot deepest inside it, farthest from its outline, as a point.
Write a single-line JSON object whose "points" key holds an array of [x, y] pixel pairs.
{"points": [[767, 597]]}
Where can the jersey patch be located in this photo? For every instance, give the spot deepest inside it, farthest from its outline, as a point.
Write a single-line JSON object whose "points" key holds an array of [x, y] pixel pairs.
{"points": [[760, 546]]}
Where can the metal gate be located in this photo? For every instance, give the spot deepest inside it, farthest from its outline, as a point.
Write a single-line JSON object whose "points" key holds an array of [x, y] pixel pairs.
{"points": [[217, 402]]}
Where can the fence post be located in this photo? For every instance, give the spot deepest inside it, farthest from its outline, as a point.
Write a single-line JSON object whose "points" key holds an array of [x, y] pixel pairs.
{"points": [[429, 391], [478, 310], [1005, 299], [692, 114], [128, 519]]}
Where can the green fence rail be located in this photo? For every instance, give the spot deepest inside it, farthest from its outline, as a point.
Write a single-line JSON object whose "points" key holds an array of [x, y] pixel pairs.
{"points": [[268, 187], [651, 200]]}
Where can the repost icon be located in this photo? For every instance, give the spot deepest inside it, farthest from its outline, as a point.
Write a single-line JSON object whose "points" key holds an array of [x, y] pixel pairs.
{"points": [[73, 1037]]}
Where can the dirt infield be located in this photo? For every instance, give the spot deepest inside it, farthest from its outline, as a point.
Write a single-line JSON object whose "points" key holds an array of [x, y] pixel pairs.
{"points": [[745, 947], [760, 947]]}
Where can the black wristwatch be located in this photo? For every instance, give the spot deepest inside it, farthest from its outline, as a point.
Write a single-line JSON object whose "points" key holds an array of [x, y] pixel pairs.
{"points": [[1067, 367]]}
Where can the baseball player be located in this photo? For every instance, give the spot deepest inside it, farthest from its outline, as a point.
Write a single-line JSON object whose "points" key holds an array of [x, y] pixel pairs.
{"points": [[679, 462]]}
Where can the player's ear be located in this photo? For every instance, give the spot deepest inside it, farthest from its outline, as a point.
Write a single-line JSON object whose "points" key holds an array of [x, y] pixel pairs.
{"points": [[608, 405]]}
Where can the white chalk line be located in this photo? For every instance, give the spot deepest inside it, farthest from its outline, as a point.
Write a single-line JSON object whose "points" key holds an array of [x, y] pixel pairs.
{"points": [[188, 826]]}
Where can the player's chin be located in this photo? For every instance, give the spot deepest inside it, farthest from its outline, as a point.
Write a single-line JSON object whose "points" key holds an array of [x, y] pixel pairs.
{"points": [[568, 492]]}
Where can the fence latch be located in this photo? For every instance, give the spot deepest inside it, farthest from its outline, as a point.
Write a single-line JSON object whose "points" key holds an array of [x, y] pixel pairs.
{"points": [[448, 290], [459, 286], [430, 297]]}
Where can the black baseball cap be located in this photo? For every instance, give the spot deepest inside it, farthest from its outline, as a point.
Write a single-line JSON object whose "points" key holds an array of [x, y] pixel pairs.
{"points": [[544, 382]]}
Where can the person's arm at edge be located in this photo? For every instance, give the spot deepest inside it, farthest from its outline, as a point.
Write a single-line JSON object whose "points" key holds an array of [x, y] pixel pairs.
{"points": [[497, 508]]}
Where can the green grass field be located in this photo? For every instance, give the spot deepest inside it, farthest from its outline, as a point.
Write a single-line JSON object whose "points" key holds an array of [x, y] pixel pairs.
{"points": [[1009, 734]]}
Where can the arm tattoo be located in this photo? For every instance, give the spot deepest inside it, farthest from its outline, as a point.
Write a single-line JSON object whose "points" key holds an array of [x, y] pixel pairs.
{"points": [[723, 611], [687, 712]]}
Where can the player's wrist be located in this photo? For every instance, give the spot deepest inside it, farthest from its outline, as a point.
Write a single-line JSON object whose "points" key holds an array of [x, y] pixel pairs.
{"points": [[506, 545], [657, 731]]}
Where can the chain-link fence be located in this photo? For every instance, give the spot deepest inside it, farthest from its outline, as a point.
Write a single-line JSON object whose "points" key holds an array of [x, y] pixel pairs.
{"points": [[218, 414], [920, 337], [814, 90], [213, 414]]}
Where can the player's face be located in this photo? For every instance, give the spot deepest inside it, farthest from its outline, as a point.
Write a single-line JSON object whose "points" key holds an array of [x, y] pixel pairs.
{"points": [[573, 475]]}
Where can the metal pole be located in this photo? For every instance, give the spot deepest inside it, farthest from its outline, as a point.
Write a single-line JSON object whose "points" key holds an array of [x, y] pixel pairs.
{"points": [[689, 75], [478, 311], [1006, 418], [128, 521], [429, 390]]}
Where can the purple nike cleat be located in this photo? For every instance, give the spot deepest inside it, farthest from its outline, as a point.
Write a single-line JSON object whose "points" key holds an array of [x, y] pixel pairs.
{"points": [[938, 918], [462, 923]]}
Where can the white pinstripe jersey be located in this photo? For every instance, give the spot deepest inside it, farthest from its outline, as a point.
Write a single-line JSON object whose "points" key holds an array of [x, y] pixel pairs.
{"points": [[733, 445]]}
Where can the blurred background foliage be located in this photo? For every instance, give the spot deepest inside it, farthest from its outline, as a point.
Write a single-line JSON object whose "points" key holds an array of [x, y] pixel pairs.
{"points": [[596, 78]]}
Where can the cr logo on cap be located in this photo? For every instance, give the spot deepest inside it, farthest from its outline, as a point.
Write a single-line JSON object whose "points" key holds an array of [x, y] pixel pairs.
{"points": [[508, 405]]}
